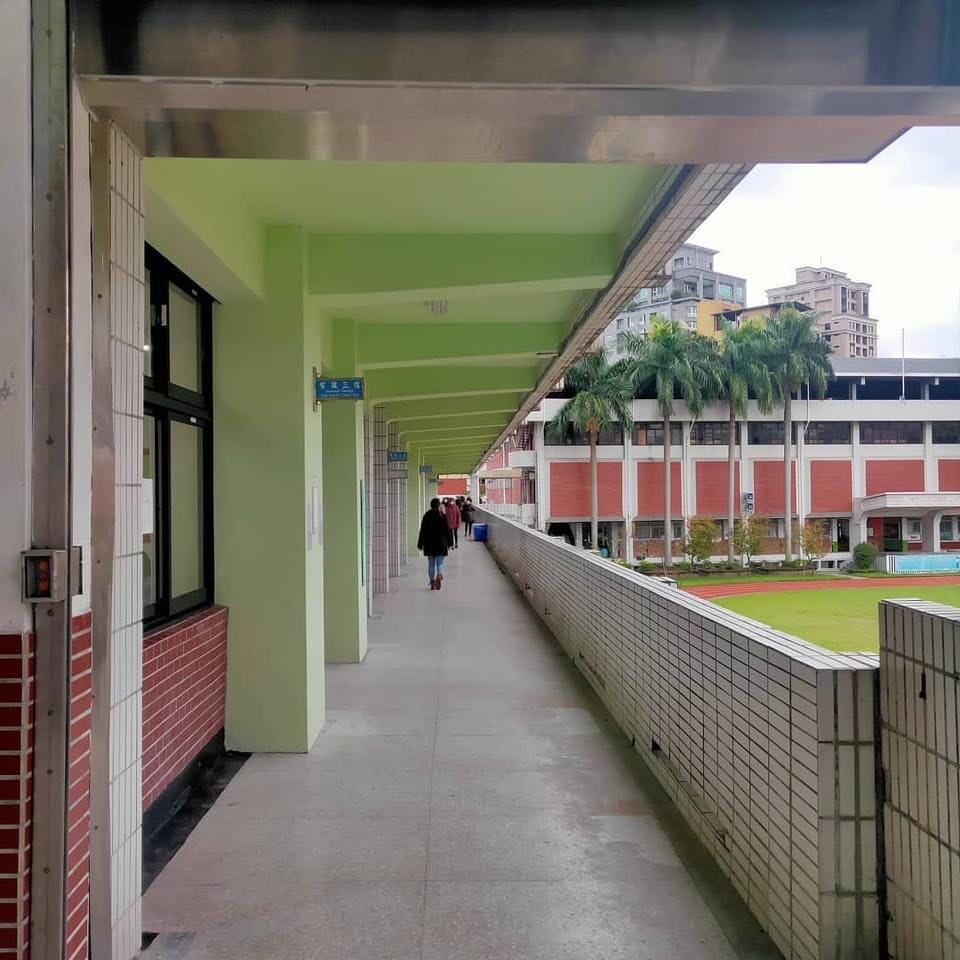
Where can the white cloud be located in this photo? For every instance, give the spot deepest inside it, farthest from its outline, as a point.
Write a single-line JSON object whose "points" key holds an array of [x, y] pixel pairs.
{"points": [[893, 222]]}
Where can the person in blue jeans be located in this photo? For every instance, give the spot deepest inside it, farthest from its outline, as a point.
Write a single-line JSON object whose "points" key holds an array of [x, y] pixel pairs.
{"points": [[434, 541]]}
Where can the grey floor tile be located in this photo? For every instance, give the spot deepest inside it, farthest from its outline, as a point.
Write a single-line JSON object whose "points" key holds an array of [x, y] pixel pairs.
{"points": [[583, 920]]}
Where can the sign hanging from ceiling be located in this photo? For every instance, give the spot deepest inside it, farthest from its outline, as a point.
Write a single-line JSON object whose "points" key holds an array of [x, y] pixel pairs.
{"points": [[397, 456], [426, 468]]}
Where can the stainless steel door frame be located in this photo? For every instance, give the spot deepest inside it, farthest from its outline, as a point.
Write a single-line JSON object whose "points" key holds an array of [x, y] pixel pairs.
{"points": [[51, 473]]}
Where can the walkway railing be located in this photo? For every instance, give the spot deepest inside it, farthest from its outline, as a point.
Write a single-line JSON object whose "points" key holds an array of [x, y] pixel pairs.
{"points": [[765, 743]]}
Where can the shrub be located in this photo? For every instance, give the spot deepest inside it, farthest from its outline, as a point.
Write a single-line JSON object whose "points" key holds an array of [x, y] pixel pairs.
{"points": [[748, 536], [701, 536], [864, 556]]}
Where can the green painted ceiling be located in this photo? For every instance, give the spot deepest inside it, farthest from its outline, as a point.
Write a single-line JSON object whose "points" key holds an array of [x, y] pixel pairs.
{"points": [[463, 279]]}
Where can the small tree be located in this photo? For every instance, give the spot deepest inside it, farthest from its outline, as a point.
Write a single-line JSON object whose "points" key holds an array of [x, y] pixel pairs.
{"points": [[701, 536], [748, 536], [864, 556], [812, 538]]}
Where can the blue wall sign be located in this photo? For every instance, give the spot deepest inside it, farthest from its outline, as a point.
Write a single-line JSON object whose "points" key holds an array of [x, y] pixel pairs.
{"points": [[350, 388], [426, 468], [397, 456]]}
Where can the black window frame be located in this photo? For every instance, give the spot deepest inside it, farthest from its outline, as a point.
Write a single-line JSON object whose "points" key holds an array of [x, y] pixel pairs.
{"points": [[169, 403], [655, 427], [712, 433], [828, 433], [891, 432], [945, 431]]}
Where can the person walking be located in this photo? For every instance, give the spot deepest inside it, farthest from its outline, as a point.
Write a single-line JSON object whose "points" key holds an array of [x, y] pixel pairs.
{"points": [[453, 522], [467, 514], [434, 542]]}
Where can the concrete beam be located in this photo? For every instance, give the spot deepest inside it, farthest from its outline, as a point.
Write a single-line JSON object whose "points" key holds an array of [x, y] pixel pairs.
{"points": [[423, 383], [384, 345], [348, 270], [423, 411]]}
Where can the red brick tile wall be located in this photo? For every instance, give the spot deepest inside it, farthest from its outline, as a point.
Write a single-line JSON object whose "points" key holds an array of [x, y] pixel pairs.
{"points": [[184, 691], [570, 488], [831, 486], [650, 489], [892, 476], [17, 691], [712, 487], [768, 488], [949, 474], [78, 795], [452, 487], [16, 769]]}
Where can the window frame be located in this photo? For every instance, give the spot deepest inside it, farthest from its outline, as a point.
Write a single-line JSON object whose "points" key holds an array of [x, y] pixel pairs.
{"points": [[169, 403]]}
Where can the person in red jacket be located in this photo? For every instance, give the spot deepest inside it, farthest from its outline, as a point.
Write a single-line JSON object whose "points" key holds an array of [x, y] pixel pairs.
{"points": [[453, 522]]}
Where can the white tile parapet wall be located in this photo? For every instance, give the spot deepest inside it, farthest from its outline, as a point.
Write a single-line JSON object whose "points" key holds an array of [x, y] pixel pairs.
{"points": [[765, 743], [919, 673]]}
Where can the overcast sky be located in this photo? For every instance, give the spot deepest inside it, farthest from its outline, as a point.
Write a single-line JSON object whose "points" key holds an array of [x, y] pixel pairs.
{"points": [[894, 222]]}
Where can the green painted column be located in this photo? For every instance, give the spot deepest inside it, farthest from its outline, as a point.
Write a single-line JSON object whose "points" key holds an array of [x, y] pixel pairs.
{"points": [[414, 508], [268, 490], [345, 603]]}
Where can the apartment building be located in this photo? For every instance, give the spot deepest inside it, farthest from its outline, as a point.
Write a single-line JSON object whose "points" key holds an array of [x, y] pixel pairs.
{"points": [[842, 306], [873, 467], [690, 291]]}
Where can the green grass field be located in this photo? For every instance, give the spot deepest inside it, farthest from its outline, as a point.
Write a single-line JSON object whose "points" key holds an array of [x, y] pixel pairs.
{"points": [[842, 620]]}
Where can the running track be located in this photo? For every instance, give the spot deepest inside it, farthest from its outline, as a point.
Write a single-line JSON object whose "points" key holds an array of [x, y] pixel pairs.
{"points": [[711, 591]]}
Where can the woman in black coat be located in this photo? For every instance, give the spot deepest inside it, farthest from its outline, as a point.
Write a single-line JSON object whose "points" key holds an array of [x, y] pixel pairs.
{"points": [[434, 541]]}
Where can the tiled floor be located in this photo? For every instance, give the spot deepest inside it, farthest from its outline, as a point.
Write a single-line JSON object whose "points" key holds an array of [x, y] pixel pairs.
{"points": [[469, 799]]}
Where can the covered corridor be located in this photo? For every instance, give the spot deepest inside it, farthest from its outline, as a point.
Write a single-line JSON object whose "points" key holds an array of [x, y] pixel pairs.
{"points": [[468, 797]]}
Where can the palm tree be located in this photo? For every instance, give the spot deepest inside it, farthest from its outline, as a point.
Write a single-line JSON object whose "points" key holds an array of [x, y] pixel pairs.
{"points": [[674, 362], [742, 370], [603, 394], [796, 354]]}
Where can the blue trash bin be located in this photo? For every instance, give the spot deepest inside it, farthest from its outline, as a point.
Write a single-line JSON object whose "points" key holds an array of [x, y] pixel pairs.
{"points": [[480, 532]]}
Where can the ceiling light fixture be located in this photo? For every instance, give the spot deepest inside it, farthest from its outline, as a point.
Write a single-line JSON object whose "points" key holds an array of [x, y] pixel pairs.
{"points": [[437, 307]]}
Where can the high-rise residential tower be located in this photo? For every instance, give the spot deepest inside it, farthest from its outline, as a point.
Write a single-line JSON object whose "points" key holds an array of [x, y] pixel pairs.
{"points": [[842, 306]]}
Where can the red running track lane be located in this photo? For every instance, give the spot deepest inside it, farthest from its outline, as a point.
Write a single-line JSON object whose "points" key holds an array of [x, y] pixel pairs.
{"points": [[711, 591]]}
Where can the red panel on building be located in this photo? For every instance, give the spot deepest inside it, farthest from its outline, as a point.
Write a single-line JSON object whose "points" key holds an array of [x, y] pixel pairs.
{"points": [[768, 488], [712, 488], [949, 471], [650, 489], [570, 489], [831, 486], [451, 486], [184, 690], [894, 476]]}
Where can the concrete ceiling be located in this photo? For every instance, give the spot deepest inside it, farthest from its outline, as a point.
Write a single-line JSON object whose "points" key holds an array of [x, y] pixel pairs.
{"points": [[464, 280]]}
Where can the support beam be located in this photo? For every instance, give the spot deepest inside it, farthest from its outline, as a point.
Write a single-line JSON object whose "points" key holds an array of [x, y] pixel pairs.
{"points": [[420, 383], [350, 270], [496, 403], [384, 345], [454, 426], [344, 587]]}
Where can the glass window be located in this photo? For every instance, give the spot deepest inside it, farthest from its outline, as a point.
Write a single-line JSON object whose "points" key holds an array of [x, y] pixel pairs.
{"points": [[740, 295], [147, 495], [706, 433], [725, 290], [677, 263], [566, 436], [775, 529], [651, 434], [891, 432], [765, 433], [186, 508], [825, 432], [176, 491], [653, 530], [691, 310], [184, 331], [947, 431], [946, 528], [147, 327], [709, 289]]}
